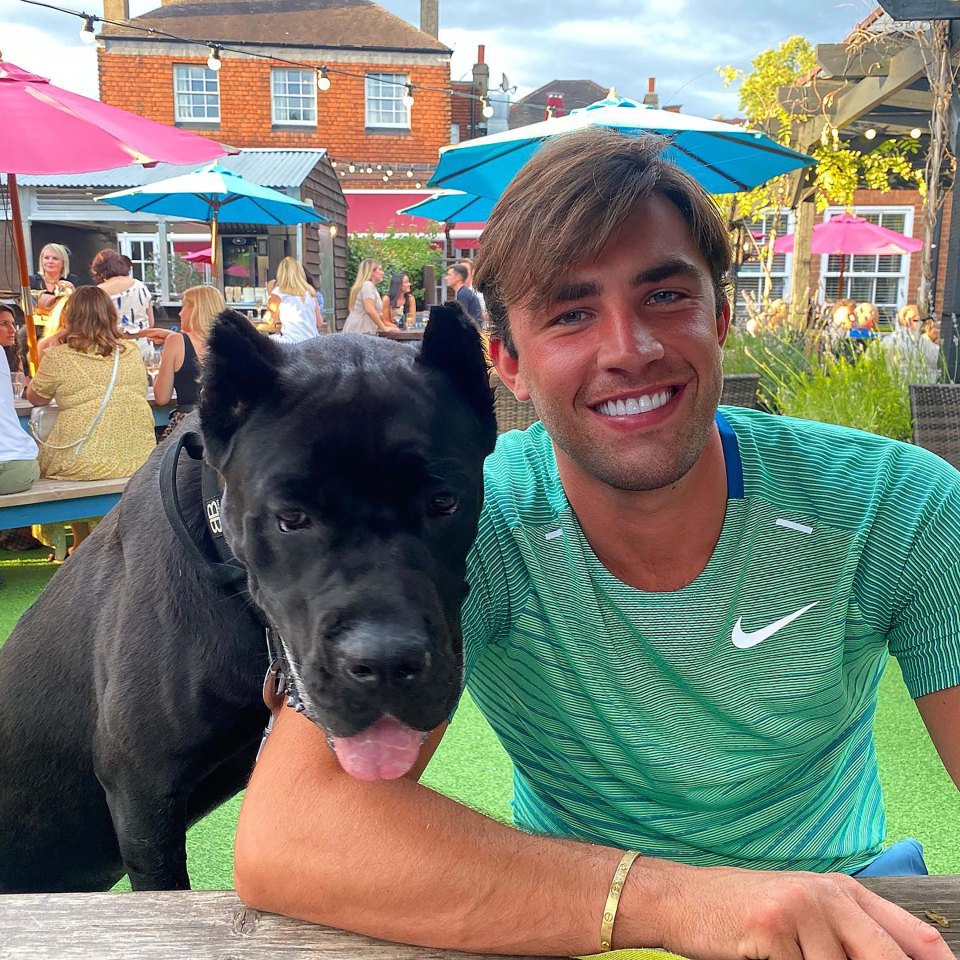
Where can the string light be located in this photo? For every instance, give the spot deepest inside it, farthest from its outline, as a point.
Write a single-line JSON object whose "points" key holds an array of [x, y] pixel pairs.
{"points": [[333, 163], [323, 81], [408, 96], [389, 172], [369, 169], [86, 33], [486, 109], [334, 230], [417, 185], [213, 61], [410, 174], [915, 133], [352, 167], [870, 134], [385, 178]]}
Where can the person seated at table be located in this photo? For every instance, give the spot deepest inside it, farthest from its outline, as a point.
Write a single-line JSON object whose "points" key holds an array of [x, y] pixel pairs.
{"points": [[866, 318], [131, 297], [916, 356], [675, 624], [931, 330], [53, 280], [298, 313], [104, 425], [366, 304], [19, 457], [399, 305], [182, 352]]}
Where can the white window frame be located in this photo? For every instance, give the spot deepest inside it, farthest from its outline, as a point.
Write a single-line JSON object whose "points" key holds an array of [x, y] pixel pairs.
{"points": [[188, 72], [125, 242], [748, 273], [887, 310], [377, 86], [308, 99]]}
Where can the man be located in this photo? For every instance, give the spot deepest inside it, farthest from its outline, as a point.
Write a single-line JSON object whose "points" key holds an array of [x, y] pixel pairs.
{"points": [[468, 266], [457, 280], [674, 625]]}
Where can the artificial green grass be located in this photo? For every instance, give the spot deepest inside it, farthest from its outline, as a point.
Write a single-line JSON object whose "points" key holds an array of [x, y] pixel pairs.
{"points": [[471, 766]]}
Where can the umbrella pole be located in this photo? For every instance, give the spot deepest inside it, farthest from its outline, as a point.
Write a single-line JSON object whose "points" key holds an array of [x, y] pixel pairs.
{"points": [[843, 263], [26, 298], [214, 257]]}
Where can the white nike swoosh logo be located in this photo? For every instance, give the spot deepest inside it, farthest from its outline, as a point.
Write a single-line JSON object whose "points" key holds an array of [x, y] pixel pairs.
{"points": [[743, 640]]}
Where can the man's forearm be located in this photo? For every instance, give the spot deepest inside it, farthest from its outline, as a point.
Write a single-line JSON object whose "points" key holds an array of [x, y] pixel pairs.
{"points": [[398, 861]]}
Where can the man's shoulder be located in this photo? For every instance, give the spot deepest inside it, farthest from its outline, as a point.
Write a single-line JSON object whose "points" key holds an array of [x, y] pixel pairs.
{"points": [[521, 481]]}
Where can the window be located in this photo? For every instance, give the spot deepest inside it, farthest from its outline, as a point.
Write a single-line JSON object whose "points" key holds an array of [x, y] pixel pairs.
{"points": [[143, 251], [293, 96], [385, 106], [751, 280], [879, 280], [196, 94]]}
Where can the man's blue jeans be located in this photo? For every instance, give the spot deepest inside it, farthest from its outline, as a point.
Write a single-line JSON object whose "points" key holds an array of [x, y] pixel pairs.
{"points": [[903, 859]]}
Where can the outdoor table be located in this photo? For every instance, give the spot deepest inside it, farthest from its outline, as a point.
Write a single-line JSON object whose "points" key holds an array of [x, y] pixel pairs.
{"points": [[161, 415], [215, 925], [414, 333]]}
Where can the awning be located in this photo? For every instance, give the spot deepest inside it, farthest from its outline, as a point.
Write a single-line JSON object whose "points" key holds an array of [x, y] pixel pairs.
{"points": [[375, 211]]}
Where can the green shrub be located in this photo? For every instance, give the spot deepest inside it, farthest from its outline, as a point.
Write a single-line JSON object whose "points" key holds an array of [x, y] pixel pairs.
{"points": [[399, 253], [775, 357]]}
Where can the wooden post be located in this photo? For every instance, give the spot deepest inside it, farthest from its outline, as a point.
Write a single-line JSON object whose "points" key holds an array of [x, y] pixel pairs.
{"points": [[26, 298], [800, 275]]}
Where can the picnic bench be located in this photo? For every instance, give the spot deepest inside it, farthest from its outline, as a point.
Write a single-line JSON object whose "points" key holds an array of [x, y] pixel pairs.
{"points": [[59, 501], [215, 925], [161, 415]]}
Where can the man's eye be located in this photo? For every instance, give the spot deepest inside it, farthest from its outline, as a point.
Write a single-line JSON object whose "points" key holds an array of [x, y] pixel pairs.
{"points": [[665, 296], [444, 503], [571, 316], [291, 520]]}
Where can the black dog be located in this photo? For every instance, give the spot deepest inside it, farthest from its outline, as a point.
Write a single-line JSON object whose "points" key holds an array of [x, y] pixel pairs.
{"points": [[131, 692]]}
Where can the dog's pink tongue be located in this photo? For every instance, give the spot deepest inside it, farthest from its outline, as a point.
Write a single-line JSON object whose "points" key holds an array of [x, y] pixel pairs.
{"points": [[384, 751]]}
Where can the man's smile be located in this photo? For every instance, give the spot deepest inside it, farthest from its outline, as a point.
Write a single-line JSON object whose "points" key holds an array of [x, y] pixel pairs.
{"points": [[632, 404]]}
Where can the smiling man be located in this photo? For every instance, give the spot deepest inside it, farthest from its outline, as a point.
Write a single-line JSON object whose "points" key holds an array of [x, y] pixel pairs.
{"points": [[675, 625]]}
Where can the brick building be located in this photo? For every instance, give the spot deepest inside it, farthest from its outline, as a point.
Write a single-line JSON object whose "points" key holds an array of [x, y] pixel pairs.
{"points": [[362, 119]]}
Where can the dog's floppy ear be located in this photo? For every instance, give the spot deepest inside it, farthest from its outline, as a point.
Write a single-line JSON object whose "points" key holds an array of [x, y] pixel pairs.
{"points": [[240, 371], [451, 344]]}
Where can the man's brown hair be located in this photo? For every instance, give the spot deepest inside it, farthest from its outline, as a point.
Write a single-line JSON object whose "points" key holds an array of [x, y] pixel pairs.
{"points": [[564, 205], [90, 322]]}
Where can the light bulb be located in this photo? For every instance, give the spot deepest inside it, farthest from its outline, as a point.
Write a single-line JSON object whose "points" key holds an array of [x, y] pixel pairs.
{"points": [[352, 167], [389, 172], [323, 81], [333, 163], [334, 230], [86, 32], [486, 109], [417, 185], [408, 96], [410, 173], [385, 178], [870, 134], [213, 61], [369, 169], [915, 133]]}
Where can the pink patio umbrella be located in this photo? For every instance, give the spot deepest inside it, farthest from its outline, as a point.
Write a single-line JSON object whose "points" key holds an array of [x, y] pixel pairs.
{"points": [[51, 130], [199, 256], [845, 235]]}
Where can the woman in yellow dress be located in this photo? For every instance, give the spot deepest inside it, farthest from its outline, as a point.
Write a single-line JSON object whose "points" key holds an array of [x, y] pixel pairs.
{"points": [[76, 371]]}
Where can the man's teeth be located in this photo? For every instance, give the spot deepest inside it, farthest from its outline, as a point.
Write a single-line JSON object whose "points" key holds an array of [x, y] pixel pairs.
{"points": [[632, 405]]}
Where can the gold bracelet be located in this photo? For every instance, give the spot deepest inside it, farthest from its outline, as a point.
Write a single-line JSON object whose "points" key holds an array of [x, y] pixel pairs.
{"points": [[613, 899]]}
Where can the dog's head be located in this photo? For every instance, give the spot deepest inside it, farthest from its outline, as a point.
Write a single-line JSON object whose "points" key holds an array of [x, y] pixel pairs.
{"points": [[353, 484]]}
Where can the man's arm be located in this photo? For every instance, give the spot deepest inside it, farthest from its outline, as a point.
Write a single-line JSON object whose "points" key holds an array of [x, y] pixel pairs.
{"points": [[941, 714], [396, 860]]}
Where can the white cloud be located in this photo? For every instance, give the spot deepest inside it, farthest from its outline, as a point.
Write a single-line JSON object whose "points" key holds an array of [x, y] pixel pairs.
{"points": [[69, 65]]}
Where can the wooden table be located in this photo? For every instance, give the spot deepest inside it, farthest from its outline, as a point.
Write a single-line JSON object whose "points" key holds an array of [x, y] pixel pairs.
{"points": [[214, 925], [415, 333]]}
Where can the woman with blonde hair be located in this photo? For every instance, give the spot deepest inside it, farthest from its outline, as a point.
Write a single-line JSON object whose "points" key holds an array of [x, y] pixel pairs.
{"points": [[55, 282], [366, 304], [296, 303], [104, 427], [182, 352]]}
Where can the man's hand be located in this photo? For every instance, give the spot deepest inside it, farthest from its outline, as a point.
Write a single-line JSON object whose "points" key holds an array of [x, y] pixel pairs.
{"points": [[154, 334], [723, 913]]}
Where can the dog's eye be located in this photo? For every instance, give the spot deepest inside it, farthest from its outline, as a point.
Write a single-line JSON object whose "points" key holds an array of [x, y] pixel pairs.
{"points": [[291, 520], [444, 503]]}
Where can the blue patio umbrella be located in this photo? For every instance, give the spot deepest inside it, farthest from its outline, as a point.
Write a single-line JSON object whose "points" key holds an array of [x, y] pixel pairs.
{"points": [[722, 157], [213, 195], [452, 206]]}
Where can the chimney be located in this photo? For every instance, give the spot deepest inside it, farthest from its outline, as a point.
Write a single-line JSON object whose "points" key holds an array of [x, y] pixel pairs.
{"points": [[650, 97], [481, 73], [116, 9], [429, 17]]}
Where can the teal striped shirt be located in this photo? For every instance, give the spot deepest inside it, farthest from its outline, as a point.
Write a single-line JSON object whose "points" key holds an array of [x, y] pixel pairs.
{"points": [[730, 721]]}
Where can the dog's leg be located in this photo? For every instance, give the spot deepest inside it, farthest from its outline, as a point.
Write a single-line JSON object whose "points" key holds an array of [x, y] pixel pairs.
{"points": [[151, 830]]}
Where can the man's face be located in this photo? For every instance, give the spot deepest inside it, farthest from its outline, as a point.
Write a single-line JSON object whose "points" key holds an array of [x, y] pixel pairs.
{"points": [[453, 278], [624, 366], [8, 329]]}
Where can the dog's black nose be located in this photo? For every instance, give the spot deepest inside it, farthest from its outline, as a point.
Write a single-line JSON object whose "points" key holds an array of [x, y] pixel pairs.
{"points": [[373, 658]]}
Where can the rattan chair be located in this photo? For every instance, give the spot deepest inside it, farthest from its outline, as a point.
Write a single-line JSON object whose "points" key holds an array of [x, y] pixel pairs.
{"points": [[512, 414], [936, 419], [740, 389]]}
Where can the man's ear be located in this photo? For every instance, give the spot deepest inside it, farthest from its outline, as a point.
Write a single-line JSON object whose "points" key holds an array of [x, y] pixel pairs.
{"points": [[723, 321], [452, 346], [508, 367], [240, 372]]}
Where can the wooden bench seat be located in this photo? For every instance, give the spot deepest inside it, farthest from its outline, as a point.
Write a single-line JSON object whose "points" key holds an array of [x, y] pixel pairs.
{"points": [[57, 501]]}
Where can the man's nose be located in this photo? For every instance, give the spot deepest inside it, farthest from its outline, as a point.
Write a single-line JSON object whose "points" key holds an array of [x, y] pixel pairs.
{"points": [[627, 341]]}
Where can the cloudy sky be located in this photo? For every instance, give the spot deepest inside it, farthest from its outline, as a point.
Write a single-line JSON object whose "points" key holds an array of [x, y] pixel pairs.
{"points": [[613, 42]]}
